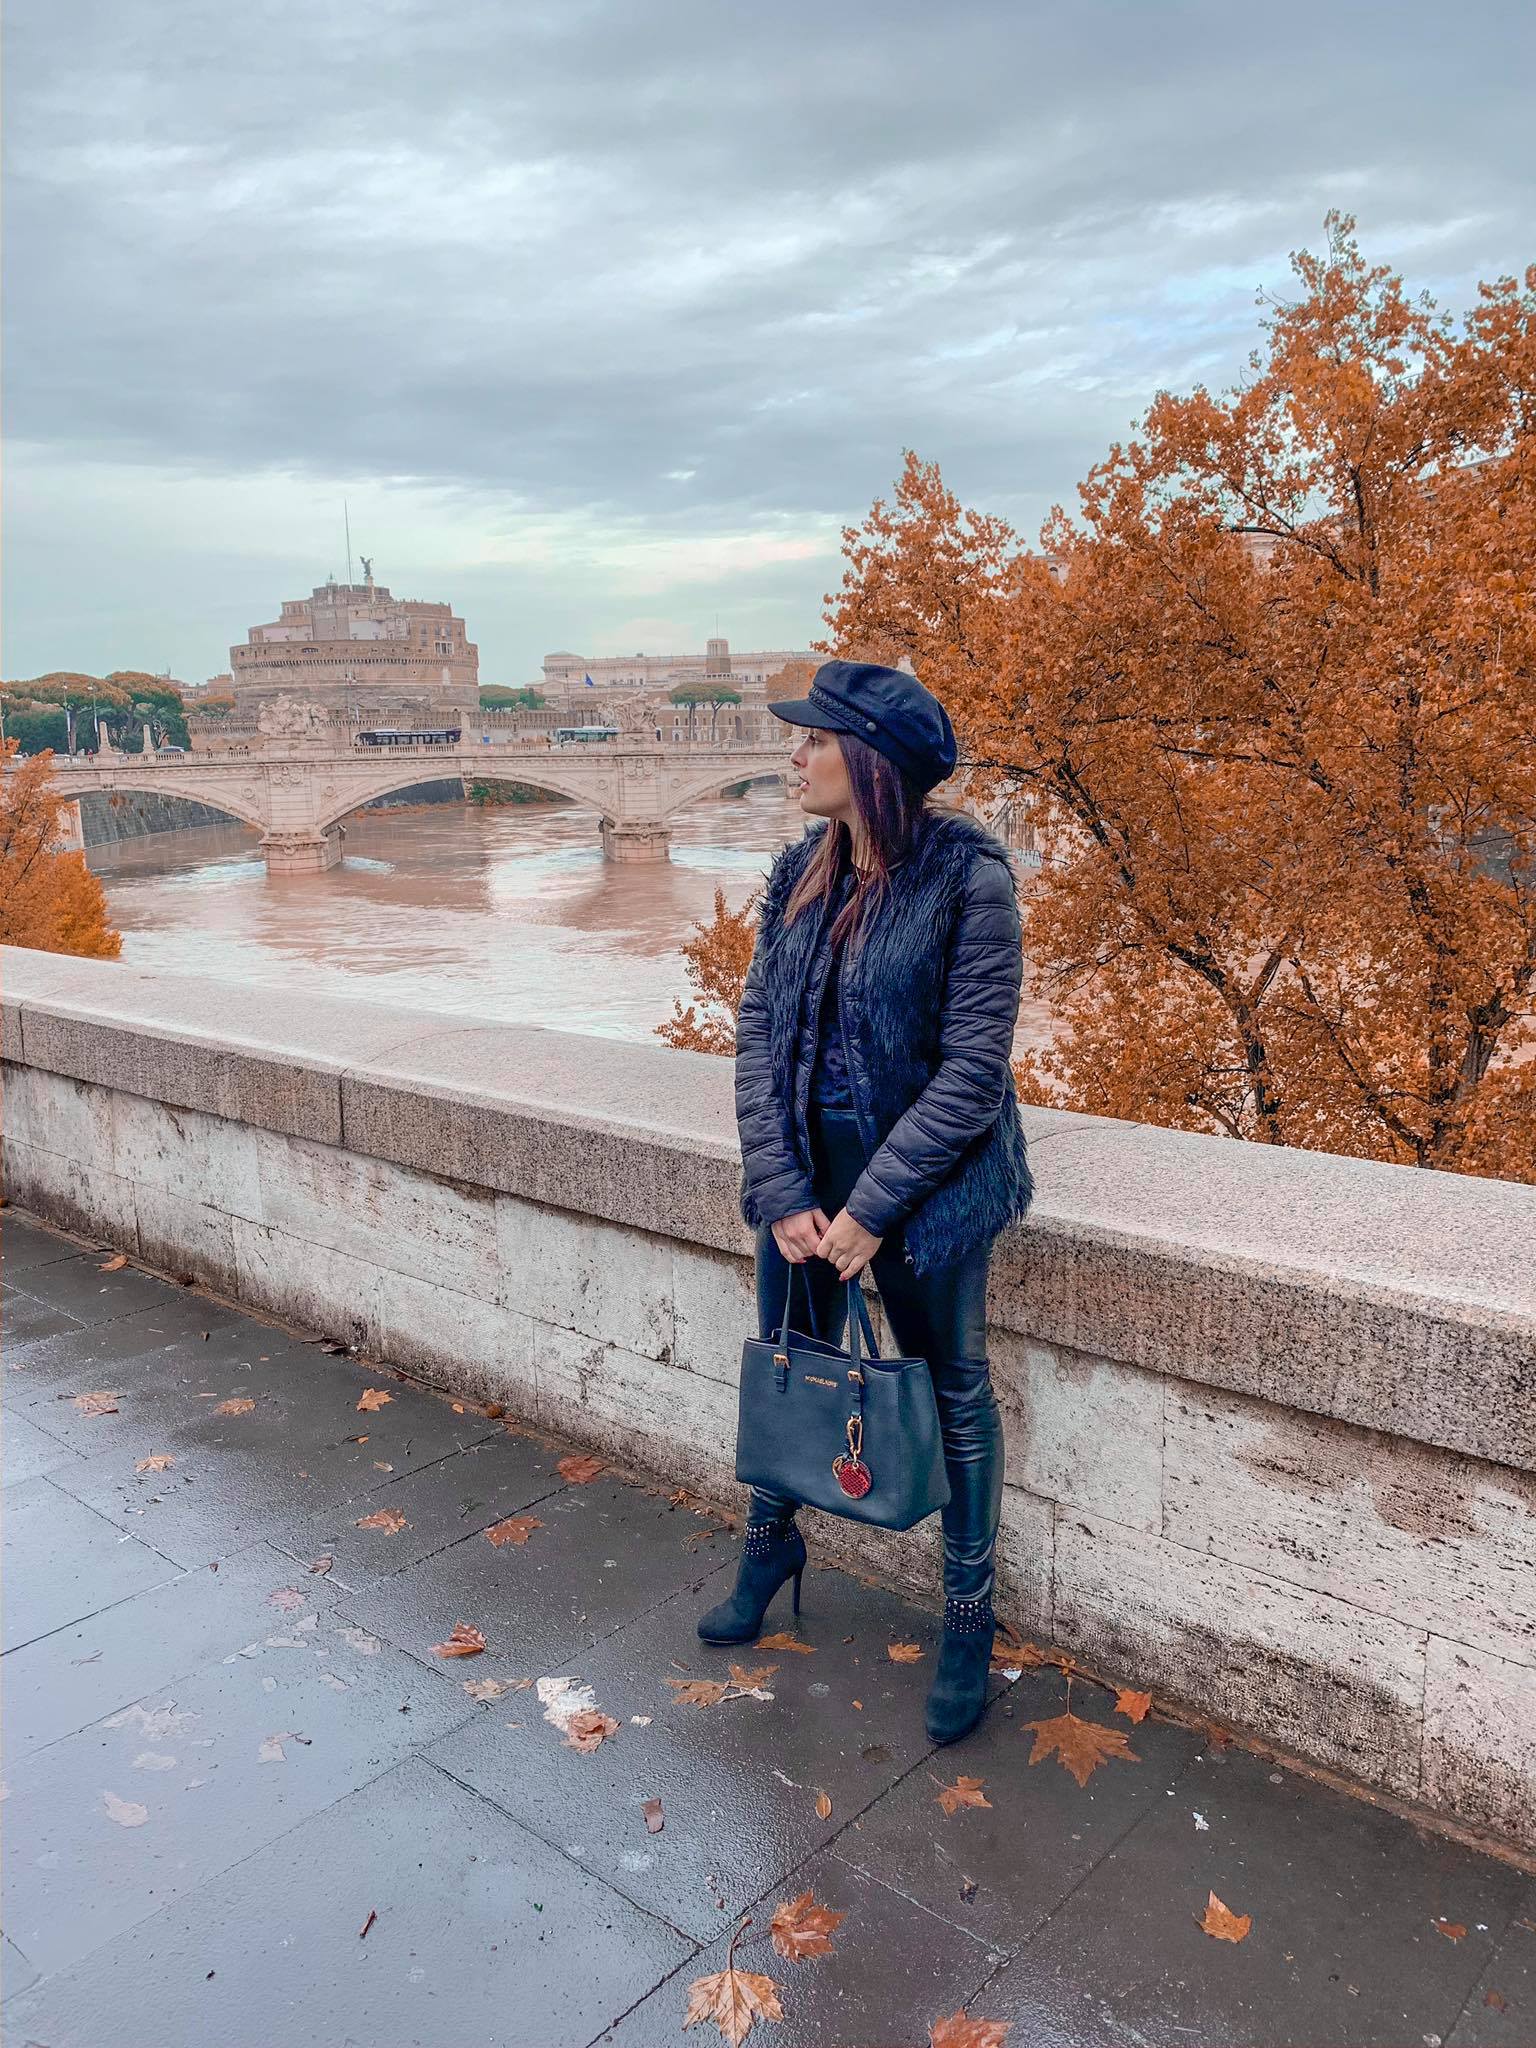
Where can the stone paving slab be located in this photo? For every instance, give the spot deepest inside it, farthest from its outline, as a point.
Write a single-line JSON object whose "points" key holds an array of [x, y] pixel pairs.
{"points": [[484, 1936], [520, 1896]]}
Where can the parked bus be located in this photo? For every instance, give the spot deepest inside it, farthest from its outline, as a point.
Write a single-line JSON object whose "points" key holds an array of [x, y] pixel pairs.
{"points": [[562, 733]]}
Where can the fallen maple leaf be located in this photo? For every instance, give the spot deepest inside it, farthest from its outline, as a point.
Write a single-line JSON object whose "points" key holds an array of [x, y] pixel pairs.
{"points": [[114, 1265], [750, 1680], [1134, 1705], [237, 1404], [374, 1397], [464, 1641], [904, 1653], [96, 1404], [1223, 1923], [1453, 1930], [1017, 1657], [486, 1688], [963, 1792], [698, 1692], [802, 1929], [162, 1461], [784, 1641], [960, 2031], [288, 1599], [580, 1471], [126, 1812], [1081, 1745], [733, 1999], [654, 1819], [513, 1529], [587, 1730], [385, 1518]]}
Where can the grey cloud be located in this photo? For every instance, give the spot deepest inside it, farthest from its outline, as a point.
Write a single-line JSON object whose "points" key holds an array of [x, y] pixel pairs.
{"points": [[544, 256]]}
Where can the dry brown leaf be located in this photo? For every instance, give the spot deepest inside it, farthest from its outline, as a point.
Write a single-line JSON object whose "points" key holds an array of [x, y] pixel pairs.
{"points": [[1134, 1705], [1081, 1745], [699, 1692], [823, 1806], [580, 1471], [114, 1265], [458, 1407], [748, 1680], [655, 1820], [961, 2031], [486, 1688], [590, 1728], [161, 1461], [1496, 1999], [1453, 1930], [288, 1600], [1223, 1923], [513, 1529], [96, 1404], [320, 1564], [904, 1653], [374, 1397], [464, 1641], [802, 1929], [1017, 1657], [385, 1518], [963, 1792], [784, 1641], [237, 1404], [733, 1999], [126, 1812]]}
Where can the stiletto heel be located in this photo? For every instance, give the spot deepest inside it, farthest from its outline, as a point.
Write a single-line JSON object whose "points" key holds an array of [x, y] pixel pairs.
{"points": [[771, 1553]]}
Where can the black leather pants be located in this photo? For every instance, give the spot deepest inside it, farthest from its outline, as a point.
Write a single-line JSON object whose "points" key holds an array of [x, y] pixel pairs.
{"points": [[940, 1316]]}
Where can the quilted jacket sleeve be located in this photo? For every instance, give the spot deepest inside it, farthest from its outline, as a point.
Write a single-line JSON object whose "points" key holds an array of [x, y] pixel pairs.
{"points": [[984, 974], [774, 1179]]}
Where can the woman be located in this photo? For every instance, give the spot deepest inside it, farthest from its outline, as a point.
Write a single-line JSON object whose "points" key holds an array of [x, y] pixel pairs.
{"points": [[878, 1117]]}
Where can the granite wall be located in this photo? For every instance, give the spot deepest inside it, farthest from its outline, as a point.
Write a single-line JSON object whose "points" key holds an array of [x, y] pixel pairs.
{"points": [[1271, 1416]]}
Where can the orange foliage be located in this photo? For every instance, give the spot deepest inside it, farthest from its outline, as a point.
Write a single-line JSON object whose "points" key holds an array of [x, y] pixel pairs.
{"points": [[48, 899], [1271, 701], [717, 957]]}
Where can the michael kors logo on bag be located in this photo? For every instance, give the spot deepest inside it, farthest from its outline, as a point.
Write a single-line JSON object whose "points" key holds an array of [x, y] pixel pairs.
{"points": [[811, 1380]]}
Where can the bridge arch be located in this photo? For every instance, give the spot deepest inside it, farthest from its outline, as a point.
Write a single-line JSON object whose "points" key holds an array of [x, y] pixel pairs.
{"points": [[402, 774], [172, 782], [712, 783]]}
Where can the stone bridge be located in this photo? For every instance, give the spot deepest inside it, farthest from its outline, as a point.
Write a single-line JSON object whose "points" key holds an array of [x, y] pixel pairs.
{"points": [[296, 791]]}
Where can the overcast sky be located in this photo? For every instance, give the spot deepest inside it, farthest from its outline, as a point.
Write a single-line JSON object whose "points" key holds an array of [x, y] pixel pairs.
{"points": [[606, 316]]}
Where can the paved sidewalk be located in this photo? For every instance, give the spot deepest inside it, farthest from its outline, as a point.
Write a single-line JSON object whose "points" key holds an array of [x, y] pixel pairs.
{"points": [[249, 1806]]}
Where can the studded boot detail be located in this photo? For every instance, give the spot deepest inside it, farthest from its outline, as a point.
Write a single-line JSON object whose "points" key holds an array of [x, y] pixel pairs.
{"points": [[959, 1690], [771, 1553]]}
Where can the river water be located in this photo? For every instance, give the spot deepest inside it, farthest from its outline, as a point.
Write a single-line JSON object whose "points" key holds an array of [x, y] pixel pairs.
{"points": [[510, 913]]}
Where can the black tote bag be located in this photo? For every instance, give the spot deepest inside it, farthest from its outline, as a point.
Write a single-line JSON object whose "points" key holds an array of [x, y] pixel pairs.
{"points": [[847, 1431]]}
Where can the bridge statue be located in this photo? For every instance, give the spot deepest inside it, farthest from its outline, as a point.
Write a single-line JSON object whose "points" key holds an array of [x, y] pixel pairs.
{"points": [[290, 718], [639, 714]]}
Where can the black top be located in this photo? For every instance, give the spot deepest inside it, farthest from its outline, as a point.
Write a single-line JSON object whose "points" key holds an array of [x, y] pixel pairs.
{"points": [[830, 1087]]}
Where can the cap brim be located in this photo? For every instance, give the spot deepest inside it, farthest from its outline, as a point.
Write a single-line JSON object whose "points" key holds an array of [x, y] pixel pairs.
{"points": [[801, 711]]}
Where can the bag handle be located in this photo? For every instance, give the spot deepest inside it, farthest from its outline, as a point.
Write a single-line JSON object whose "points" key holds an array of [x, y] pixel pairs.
{"points": [[858, 1314]]}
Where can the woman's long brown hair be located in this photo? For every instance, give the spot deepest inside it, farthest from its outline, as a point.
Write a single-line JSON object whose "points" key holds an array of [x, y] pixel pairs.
{"points": [[892, 809]]}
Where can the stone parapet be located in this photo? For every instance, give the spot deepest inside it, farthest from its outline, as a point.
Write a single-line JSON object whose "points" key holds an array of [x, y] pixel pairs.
{"points": [[1271, 1415]]}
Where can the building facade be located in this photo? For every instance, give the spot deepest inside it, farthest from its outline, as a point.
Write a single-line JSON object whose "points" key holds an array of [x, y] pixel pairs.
{"points": [[564, 671], [348, 641]]}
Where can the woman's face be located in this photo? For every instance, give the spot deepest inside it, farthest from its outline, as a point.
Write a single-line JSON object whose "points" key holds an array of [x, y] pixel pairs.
{"points": [[825, 791]]}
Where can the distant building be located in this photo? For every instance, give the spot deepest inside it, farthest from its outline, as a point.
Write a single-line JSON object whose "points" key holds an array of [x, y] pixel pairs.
{"points": [[565, 671], [350, 640]]}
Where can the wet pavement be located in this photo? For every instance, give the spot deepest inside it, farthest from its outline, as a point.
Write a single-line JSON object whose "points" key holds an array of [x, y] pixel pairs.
{"points": [[248, 1806]]}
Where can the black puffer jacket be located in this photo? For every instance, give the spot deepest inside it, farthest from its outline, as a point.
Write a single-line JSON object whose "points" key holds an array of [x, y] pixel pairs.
{"points": [[929, 1002]]}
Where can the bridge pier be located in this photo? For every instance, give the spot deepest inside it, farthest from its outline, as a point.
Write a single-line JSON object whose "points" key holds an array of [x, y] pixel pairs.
{"points": [[646, 839], [300, 853]]}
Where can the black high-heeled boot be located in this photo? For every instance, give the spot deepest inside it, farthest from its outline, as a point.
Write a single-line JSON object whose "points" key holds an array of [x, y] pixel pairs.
{"points": [[771, 1553], [959, 1690]]}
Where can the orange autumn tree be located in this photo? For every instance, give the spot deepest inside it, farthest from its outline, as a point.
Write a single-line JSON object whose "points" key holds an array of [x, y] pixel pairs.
{"points": [[1270, 700], [48, 899], [716, 959]]}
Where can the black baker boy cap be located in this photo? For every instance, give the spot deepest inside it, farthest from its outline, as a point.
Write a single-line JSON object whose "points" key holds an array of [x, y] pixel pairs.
{"points": [[884, 706]]}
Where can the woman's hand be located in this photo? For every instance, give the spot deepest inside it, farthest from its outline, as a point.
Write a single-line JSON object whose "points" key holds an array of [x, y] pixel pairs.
{"points": [[798, 1236], [848, 1245]]}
